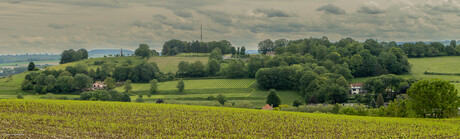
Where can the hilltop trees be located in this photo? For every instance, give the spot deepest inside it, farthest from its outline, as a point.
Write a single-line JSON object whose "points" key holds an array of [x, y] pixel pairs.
{"points": [[143, 51], [72, 55], [31, 66], [265, 46], [434, 98]]}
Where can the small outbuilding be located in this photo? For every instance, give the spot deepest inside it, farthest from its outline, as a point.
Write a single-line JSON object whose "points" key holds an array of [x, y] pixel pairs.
{"points": [[267, 107], [98, 86]]}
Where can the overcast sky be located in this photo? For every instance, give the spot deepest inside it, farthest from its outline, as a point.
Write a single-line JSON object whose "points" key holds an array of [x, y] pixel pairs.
{"points": [[50, 26]]}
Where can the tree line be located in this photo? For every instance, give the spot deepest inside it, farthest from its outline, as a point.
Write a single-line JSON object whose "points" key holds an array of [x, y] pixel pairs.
{"points": [[174, 47], [71, 55], [363, 59]]}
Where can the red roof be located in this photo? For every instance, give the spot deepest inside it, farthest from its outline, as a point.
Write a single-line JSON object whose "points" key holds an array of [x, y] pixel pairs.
{"points": [[267, 107]]}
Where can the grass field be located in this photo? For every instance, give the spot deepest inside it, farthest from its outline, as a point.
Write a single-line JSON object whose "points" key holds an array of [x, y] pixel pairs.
{"points": [[91, 119], [169, 64], [447, 64]]}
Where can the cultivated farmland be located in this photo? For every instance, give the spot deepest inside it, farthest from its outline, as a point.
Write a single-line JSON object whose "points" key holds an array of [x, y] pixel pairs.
{"points": [[86, 119]]}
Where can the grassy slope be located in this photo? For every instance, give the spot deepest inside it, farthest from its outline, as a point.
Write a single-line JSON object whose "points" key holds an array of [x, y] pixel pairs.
{"points": [[79, 119], [447, 64]]}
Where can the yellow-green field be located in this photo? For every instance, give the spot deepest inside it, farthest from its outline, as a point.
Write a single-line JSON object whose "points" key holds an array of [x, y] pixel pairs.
{"points": [[169, 63], [91, 119]]}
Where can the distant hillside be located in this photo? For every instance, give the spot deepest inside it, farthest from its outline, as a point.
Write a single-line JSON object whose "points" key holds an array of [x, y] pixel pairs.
{"points": [[252, 52], [102, 52], [28, 58]]}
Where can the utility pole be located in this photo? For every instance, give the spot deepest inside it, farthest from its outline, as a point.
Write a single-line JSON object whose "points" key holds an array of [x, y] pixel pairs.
{"points": [[201, 33]]}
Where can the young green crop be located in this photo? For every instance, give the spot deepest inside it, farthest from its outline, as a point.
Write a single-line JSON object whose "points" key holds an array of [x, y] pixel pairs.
{"points": [[87, 119]]}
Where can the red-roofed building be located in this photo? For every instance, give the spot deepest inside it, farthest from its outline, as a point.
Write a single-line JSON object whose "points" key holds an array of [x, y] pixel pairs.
{"points": [[356, 88], [267, 107]]}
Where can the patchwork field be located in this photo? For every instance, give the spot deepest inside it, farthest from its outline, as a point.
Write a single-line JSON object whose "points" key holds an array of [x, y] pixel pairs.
{"points": [[196, 84], [169, 64], [91, 119], [197, 92]]}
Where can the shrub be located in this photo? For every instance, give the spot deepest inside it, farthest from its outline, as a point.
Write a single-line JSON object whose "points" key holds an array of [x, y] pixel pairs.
{"points": [[20, 96], [244, 104]]}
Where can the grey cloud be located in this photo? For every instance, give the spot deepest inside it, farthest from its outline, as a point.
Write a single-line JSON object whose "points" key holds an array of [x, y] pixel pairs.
{"points": [[160, 17], [60, 26], [85, 3], [448, 6], [370, 8], [331, 9], [271, 12], [184, 14], [218, 17]]}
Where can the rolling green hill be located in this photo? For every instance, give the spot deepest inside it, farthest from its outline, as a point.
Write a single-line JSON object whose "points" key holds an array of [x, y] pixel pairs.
{"points": [[92, 119]]}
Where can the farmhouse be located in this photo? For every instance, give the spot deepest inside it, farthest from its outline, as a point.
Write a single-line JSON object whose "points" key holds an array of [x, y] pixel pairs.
{"points": [[356, 88], [267, 107], [98, 86]]}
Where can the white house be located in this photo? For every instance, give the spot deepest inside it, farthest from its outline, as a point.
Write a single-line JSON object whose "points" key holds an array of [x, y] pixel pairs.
{"points": [[356, 88]]}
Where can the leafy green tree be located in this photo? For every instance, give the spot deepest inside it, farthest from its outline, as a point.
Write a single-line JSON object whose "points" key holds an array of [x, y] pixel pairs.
{"points": [[110, 83], [280, 43], [196, 69], [213, 67], [243, 50], [373, 104], [50, 81], [19, 96], [173, 47], [235, 69], [153, 86], [139, 99], [126, 98], [128, 86], [145, 72], [180, 85], [380, 101], [82, 81], [273, 99], [297, 103], [216, 53], [183, 68], [66, 84], [221, 99], [31, 66], [453, 43], [434, 98], [143, 50], [266, 46]]}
